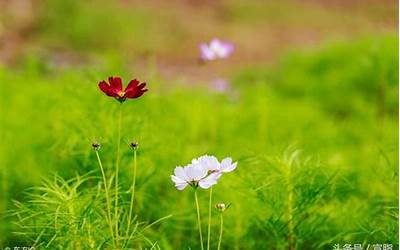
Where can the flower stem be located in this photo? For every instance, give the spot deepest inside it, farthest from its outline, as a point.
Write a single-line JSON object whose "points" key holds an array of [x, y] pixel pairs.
{"points": [[220, 230], [209, 220], [290, 209], [133, 192], [198, 218], [116, 174], [107, 196]]}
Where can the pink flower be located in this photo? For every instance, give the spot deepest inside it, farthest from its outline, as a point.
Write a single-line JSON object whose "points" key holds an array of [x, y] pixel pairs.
{"points": [[216, 49]]}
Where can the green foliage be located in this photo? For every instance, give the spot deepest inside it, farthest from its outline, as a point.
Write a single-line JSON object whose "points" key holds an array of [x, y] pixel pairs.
{"points": [[339, 105], [71, 214]]}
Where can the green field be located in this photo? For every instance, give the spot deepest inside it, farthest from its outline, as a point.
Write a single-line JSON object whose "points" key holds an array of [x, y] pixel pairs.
{"points": [[315, 134]]}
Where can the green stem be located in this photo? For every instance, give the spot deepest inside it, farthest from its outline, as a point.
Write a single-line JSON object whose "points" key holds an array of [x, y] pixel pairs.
{"points": [[221, 230], [76, 243], [209, 220], [107, 196], [290, 208], [5, 194], [133, 192], [198, 218], [116, 174]]}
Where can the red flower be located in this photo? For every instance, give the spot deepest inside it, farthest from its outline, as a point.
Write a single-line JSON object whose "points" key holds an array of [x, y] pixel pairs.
{"points": [[114, 88]]}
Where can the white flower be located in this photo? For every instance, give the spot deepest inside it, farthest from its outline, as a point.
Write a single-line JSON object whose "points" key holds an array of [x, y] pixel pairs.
{"points": [[193, 175], [211, 164], [203, 172]]}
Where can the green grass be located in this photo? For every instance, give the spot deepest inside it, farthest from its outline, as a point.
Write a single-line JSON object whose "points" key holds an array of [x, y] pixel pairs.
{"points": [[315, 136]]}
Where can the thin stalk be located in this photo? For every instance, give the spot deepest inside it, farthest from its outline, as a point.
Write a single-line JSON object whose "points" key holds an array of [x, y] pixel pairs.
{"points": [[5, 194], [116, 174], [133, 192], [76, 243], [198, 218], [209, 220], [107, 197], [221, 230], [290, 210]]}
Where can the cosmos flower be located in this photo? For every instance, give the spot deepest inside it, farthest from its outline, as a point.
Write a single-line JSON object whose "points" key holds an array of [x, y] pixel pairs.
{"points": [[203, 172], [211, 164], [114, 88], [195, 176], [216, 49]]}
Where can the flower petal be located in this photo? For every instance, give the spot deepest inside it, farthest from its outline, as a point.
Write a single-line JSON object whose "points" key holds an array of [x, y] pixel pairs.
{"points": [[107, 89], [133, 91], [195, 172], [215, 44], [180, 178], [181, 186], [206, 53], [223, 50], [132, 85], [227, 165], [177, 180], [210, 163], [180, 173], [116, 83], [210, 180]]}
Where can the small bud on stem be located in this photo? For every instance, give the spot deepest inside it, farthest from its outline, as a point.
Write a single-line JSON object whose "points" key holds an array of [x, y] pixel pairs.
{"points": [[222, 207], [134, 145], [96, 145]]}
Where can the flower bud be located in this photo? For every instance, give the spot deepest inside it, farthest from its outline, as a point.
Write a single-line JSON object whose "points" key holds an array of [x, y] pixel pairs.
{"points": [[221, 206], [134, 145], [96, 145]]}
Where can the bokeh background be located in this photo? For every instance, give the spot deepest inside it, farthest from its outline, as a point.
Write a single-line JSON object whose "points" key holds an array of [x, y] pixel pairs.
{"points": [[316, 76]]}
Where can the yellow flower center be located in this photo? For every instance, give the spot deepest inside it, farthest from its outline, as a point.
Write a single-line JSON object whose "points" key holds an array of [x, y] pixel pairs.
{"points": [[121, 93]]}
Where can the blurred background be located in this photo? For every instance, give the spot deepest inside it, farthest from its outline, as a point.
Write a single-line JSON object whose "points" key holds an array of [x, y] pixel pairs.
{"points": [[320, 75], [166, 34]]}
